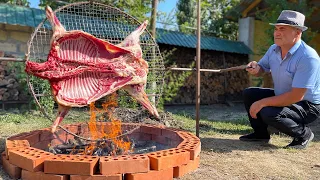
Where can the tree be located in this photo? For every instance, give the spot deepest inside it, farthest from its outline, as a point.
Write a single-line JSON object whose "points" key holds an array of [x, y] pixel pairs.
{"points": [[186, 15], [212, 21], [136, 8], [275, 7], [17, 2]]}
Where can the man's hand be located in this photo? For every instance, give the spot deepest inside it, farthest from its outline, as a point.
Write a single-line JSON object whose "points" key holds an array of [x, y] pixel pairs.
{"points": [[253, 68], [255, 108]]}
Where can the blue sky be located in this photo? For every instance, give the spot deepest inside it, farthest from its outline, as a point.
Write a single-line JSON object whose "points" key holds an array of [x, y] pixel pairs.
{"points": [[165, 6]]}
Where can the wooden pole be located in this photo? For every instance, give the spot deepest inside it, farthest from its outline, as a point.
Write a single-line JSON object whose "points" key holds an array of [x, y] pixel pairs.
{"points": [[12, 59], [225, 78], [153, 33], [154, 17], [198, 67]]}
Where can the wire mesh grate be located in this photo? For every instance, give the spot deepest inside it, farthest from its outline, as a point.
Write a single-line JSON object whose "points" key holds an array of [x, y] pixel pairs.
{"points": [[104, 22]]}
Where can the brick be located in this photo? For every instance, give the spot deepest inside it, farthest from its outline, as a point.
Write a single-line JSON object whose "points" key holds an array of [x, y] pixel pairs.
{"points": [[46, 134], [124, 164], [33, 137], [61, 137], [161, 139], [15, 144], [3, 35], [84, 129], [174, 143], [23, 48], [27, 175], [104, 126], [140, 136], [18, 136], [168, 158], [18, 28], [74, 128], [71, 164], [44, 145], [194, 147], [188, 136], [135, 136], [20, 36], [180, 171], [166, 174], [151, 130], [8, 47], [96, 177], [13, 171], [29, 158], [125, 127], [170, 134]]}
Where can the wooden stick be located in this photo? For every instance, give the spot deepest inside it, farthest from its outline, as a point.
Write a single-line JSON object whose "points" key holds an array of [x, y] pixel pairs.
{"points": [[234, 68], [11, 59], [212, 70]]}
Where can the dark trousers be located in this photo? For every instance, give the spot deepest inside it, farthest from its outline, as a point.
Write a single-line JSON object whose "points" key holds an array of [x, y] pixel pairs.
{"points": [[291, 120]]}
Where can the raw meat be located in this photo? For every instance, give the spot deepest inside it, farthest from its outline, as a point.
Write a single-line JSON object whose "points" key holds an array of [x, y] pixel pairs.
{"points": [[82, 68]]}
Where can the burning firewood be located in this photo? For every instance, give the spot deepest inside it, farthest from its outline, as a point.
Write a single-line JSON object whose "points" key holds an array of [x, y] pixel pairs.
{"points": [[82, 68]]}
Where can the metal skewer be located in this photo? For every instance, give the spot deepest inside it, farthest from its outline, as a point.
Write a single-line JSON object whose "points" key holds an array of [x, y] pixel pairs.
{"points": [[212, 70]]}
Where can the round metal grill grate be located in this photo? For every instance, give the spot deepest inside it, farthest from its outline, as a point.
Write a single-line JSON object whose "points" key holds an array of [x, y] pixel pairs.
{"points": [[104, 22]]}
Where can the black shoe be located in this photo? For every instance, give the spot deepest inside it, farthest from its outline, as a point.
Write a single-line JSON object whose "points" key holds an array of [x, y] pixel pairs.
{"points": [[299, 143], [255, 137]]}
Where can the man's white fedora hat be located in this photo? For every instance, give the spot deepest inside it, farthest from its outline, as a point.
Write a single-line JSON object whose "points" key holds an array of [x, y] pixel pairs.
{"points": [[291, 18]]}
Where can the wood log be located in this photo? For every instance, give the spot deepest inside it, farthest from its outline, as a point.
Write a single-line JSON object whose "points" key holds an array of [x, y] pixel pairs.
{"points": [[3, 90], [5, 96], [3, 83], [213, 88], [9, 84]]}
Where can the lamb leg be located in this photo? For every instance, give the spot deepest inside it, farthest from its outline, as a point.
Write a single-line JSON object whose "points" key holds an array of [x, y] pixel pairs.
{"points": [[62, 112], [137, 91]]}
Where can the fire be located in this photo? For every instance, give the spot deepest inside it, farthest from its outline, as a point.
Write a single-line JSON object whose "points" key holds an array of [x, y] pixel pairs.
{"points": [[113, 132]]}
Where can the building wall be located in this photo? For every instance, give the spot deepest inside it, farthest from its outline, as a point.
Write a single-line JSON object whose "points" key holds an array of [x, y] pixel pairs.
{"points": [[261, 46], [260, 40], [13, 43], [13, 39], [315, 43], [215, 87]]}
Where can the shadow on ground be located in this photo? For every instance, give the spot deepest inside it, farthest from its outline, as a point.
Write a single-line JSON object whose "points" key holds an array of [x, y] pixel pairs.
{"points": [[207, 128], [2, 144], [229, 145]]}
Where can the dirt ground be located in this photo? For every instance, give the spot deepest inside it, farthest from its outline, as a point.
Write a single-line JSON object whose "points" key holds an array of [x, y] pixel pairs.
{"points": [[223, 156]]}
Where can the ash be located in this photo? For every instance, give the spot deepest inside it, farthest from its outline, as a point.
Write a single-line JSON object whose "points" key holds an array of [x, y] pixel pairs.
{"points": [[142, 116], [105, 147]]}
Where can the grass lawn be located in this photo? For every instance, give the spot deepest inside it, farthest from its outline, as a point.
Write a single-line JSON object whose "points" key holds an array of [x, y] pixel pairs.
{"points": [[223, 156]]}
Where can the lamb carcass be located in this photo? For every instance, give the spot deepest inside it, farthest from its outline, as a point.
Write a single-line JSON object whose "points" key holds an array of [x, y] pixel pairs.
{"points": [[82, 68]]}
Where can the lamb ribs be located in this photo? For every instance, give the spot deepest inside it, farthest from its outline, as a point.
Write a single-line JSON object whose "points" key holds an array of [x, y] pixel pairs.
{"points": [[82, 68]]}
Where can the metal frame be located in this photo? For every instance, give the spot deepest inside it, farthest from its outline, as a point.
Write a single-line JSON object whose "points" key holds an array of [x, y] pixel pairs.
{"points": [[29, 44]]}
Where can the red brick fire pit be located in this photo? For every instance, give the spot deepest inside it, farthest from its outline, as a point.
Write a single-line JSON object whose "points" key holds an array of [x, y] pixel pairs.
{"points": [[25, 156]]}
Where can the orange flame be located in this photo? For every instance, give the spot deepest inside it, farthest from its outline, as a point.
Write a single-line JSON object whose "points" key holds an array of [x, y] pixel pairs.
{"points": [[113, 132]]}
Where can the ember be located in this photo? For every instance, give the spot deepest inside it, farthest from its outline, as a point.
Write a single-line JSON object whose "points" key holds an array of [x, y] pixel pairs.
{"points": [[106, 141], [82, 68], [179, 150], [25, 150]]}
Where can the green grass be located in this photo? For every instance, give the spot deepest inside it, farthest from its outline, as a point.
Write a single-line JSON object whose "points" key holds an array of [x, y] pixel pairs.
{"points": [[213, 127], [13, 123]]}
